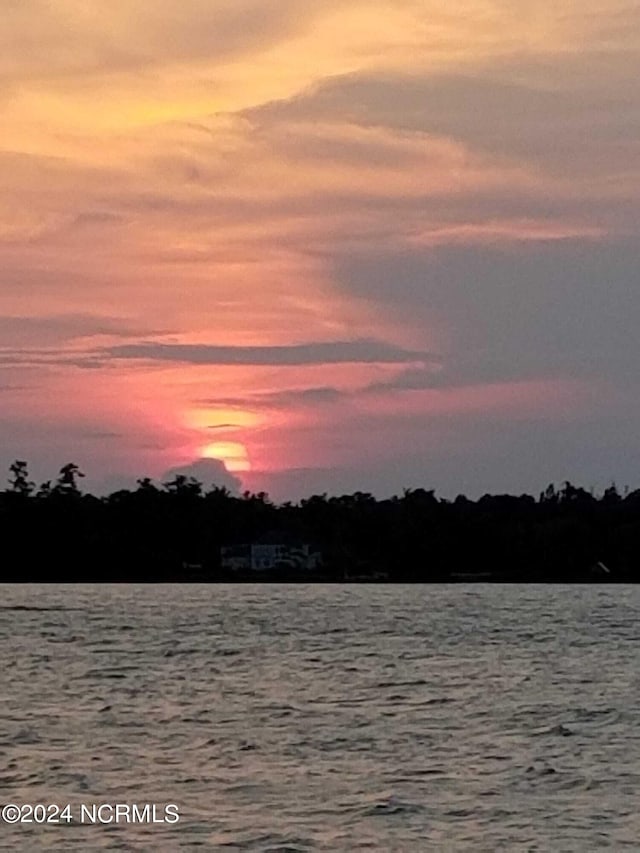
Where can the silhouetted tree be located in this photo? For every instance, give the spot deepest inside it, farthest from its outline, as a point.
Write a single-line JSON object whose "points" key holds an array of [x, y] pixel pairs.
{"points": [[44, 490], [146, 485], [67, 482], [182, 485], [19, 481]]}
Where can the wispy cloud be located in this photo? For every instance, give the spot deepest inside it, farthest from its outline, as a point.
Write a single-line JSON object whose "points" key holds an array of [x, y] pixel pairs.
{"points": [[366, 351], [55, 329]]}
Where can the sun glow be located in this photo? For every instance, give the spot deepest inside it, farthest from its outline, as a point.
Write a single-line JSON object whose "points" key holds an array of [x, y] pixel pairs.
{"points": [[232, 453]]}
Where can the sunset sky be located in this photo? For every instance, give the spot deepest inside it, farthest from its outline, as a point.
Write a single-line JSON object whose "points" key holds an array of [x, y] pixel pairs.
{"points": [[351, 244]]}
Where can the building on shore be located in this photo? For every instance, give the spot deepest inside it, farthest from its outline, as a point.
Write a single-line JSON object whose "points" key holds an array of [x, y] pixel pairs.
{"points": [[269, 554]]}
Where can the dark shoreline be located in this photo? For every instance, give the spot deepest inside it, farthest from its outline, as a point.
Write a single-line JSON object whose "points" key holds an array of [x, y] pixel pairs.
{"points": [[181, 532]]}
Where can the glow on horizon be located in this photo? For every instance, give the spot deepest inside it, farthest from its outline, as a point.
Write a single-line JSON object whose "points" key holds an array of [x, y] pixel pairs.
{"points": [[233, 453]]}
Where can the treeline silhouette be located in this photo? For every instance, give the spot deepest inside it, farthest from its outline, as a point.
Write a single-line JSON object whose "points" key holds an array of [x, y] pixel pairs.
{"points": [[174, 531]]}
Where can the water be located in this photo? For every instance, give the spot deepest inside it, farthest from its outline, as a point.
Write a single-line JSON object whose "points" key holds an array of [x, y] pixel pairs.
{"points": [[309, 718]]}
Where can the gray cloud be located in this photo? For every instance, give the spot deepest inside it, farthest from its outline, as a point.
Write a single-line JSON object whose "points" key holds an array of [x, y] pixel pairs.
{"points": [[308, 396], [363, 351], [222, 427], [511, 109], [413, 379], [325, 395], [567, 308]]}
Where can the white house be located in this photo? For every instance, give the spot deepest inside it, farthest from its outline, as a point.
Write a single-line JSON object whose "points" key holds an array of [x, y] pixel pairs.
{"points": [[265, 556]]}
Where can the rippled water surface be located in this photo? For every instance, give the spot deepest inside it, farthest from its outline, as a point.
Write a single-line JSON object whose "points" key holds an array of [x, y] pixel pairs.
{"points": [[341, 718]]}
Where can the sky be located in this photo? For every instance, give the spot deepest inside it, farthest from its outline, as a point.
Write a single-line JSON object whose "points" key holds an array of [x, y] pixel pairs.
{"points": [[322, 247]]}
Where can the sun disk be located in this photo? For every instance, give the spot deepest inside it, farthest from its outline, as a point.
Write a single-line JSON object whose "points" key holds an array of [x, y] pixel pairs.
{"points": [[232, 453]]}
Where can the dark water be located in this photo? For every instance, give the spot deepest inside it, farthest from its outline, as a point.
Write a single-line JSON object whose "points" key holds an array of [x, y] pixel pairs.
{"points": [[377, 718]]}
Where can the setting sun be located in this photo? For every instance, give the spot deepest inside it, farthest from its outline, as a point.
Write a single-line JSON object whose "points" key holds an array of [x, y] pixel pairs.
{"points": [[232, 453]]}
